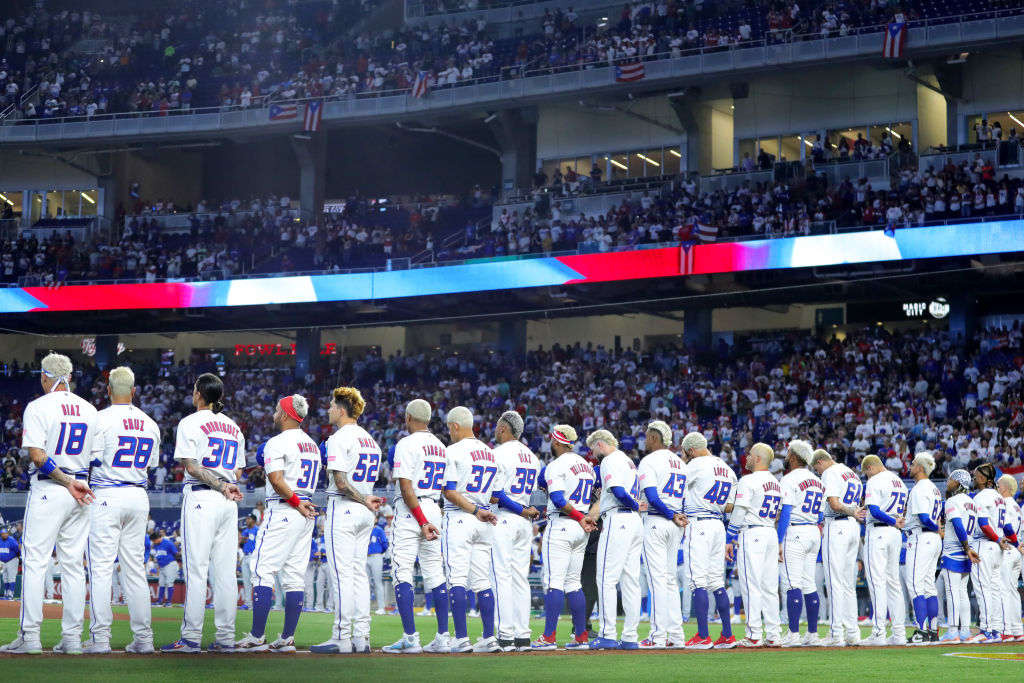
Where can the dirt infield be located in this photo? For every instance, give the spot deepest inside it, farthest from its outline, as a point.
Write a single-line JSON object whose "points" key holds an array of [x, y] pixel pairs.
{"points": [[11, 609]]}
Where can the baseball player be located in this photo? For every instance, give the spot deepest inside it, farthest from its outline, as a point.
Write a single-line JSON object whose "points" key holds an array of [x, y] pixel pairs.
{"points": [[166, 552], [247, 544], [839, 545], [353, 460], [126, 444], [957, 555], [309, 593], [662, 476], [621, 543], [324, 584], [885, 498], [469, 484], [710, 486], [58, 433], [211, 447], [518, 469], [924, 546], [800, 542], [569, 481], [375, 562], [292, 462], [419, 467], [752, 534], [1011, 569], [989, 543], [10, 551]]}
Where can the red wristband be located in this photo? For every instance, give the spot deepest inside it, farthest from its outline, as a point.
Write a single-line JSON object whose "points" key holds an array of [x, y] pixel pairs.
{"points": [[294, 500], [577, 515], [417, 512]]}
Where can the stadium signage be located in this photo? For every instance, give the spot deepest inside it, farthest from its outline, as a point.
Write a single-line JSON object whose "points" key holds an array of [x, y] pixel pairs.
{"points": [[938, 309], [278, 349]]}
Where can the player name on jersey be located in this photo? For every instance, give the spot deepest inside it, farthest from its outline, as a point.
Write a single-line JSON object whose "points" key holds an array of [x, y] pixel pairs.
{"points": [[308, 447], [134, 425], [582, 468], [433, 450], [223, 427], [772, 487], [71, 410], [722, 471], [482, 455], [811, 484]]}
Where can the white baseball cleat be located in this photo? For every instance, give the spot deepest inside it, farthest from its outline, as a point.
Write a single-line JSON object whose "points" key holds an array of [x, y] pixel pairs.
{"points": [[459, 645], [91, 647], [487, 645], [380, 612], [791, 640], [135, 647], [68, 647], [19, 646], [832, 641], [408, 644], [811, 639], [360, 645], [748, 642], [873, 641], [282, 646], [251, 643], [333, 647], [441, 644], [899, 641]]}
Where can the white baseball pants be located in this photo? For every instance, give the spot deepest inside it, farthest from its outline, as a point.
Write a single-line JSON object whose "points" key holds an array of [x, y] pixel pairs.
{"points": [[705, 554], [408, 544], [757, 566], [987, 578], [347, 536], [661, 546], [839, 557], [209, 532], [118, 529], [958, 602], [618, 564], [282, 549], [53, 517], [800, 558], [467, 551], [882, 570], [923, 551], [510, 566], [1011, 571]]}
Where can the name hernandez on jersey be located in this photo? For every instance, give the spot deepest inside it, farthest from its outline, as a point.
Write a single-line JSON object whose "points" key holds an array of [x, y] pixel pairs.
{"points": [[472, 471], [353, 451], [805, 492], [574, 477], [61, 424], [518, 469], [420, 458], [214, 441], [298, 457], [126, 444]]}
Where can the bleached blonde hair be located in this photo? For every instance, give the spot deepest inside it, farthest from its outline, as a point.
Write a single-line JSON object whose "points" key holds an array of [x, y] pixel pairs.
{"points": [[461, 416], [926, 461], [418, 409], [694, 440], [602, 435], [57, 365], [122, 380], [663, 430], [802, 450]]}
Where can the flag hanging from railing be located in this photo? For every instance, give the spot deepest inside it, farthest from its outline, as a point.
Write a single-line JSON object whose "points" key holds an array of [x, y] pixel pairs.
{"points": [[314, 112], [895, 39], [707, 233], [627, 73], [277, 112], [419, 86]]}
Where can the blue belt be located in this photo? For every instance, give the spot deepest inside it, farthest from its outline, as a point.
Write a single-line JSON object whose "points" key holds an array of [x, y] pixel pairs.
{"points": [[717, 519], [121, 485], [205, 487], [803, 524]]}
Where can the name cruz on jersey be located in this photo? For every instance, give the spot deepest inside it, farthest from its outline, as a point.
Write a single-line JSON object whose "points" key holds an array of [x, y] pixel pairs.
{"points": [[125, 445]]}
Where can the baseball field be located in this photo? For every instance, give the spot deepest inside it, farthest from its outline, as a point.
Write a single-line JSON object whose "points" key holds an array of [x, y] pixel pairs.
{"points": [[904, 664]]}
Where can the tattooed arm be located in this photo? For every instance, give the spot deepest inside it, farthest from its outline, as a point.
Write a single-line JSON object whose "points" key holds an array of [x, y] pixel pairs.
{"points": [[346, 489], [229, 490]]}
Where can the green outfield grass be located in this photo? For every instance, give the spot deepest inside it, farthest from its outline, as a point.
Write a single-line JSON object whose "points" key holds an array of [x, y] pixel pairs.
{"points": [[846, 664]]}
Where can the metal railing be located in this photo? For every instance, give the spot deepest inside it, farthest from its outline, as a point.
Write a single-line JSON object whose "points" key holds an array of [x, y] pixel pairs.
{"points": [[938, 32]]}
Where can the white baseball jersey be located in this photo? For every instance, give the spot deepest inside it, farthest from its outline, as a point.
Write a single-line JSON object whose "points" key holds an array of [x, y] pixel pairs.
{"points": [[802, 489], [617, 470], [518, 468], [959, 507], [298, 456], [888, 492], [988, 504], [61, 424], [843, 483], [420, 458], [710, 486], [1013, 516], [472, 471], [353, 451], [126, 444], [574, 477], [758, 500], [665, 471], [924, 499], [213, 440]]}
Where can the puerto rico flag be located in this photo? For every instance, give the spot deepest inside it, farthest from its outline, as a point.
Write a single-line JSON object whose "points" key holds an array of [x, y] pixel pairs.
{"points": [[895, 39], [707, 233], [278, 112], [419, 86], [314, 112], [627, 73]]}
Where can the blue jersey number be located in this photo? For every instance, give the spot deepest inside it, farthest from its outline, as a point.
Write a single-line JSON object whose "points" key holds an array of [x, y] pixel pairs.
{"points": [[366, 468], [223, 453], [770, 507], [898, 503], [309, 470], [812, 502], [132, 452], [433, 476], [970, 524], [75, 435], [635, 491], [526, 479], [935, 510], [719, 493], [479, 483], [675, 486], [582, 492], [852, 493]]}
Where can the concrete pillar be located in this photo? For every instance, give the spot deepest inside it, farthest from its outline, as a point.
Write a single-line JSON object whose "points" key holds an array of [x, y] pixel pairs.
{"points": [[516, 132], [962, 318], [697, 328], [106, 351], [108, 205], [311, 151], [307, 350], [686, 108], [950, 80], [512, 336]]}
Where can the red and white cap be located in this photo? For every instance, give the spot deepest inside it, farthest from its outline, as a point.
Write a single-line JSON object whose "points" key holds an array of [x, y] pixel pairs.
{"points": [[564, 434]]}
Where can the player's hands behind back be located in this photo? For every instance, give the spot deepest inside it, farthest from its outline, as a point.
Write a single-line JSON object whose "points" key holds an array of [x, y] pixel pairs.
{"points": [[373, 502], [81, 492], [486, 516], [429, 531], [307, 509], [232, 492], [531, 512]]}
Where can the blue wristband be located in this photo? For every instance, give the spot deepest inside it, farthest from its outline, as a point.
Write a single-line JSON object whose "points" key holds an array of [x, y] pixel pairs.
{"points": [[48, 467]]}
